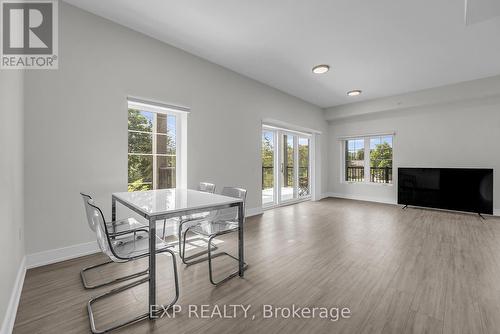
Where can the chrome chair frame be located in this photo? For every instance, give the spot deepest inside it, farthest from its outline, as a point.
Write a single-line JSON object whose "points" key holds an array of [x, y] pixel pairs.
{"points": [[85, 282], [130, 285], [209, 256], [209, 250]]}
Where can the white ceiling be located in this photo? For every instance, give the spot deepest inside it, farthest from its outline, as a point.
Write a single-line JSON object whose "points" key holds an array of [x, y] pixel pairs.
{"points": [[382, 47]]}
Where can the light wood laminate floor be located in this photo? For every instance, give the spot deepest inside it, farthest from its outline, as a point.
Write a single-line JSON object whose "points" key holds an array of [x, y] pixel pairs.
{"points": [[399, 271]]}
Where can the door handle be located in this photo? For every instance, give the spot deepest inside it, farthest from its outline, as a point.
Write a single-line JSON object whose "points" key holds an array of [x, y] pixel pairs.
{"points": [[282, 169]]}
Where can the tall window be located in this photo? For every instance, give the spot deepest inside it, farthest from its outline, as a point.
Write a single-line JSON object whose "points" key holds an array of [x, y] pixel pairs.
{"points": [[152, 149], [369, 156], [355, 160], [381, 159]]}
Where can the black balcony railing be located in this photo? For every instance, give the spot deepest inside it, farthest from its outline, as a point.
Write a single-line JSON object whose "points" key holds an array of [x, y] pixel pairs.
{"points": [[377, 174], [381, 174], [355, 174], [303, 181], [268, 178]]}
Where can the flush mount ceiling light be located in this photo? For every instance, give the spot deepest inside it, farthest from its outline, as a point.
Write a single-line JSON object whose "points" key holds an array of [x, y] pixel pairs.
{"points": [[354, 92], [320, 69]]}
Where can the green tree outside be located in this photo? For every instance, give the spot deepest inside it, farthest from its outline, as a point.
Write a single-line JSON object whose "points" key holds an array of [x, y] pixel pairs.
{"points": [[140, 167], [381, 157], [267, 156]]}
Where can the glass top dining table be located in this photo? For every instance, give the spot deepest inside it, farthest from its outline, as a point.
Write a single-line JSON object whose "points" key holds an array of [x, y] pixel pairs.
{"points": [[161, 204]]}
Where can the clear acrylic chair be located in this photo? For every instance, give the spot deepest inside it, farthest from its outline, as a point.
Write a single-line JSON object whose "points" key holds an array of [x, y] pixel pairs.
{"points": [[128, 250], [115, 227], [184, 220], [119, 233], [222, 222]]}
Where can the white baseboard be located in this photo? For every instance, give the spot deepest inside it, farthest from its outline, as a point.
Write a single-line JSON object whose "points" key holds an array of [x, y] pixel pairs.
{"points": [[361, 198], [60, 254], [324, 195], [10, 314], [253, 212], [67, 253]]}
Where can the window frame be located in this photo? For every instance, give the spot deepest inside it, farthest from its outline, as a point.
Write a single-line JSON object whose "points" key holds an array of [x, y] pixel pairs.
{"points": [[366, 165], [180, 138]]}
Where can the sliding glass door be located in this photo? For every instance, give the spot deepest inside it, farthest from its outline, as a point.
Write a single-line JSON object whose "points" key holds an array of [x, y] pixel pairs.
{"points": [[286, 167]]}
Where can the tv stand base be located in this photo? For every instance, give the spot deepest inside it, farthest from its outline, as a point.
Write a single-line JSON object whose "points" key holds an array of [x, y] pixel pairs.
{"points": [[405, 206]]}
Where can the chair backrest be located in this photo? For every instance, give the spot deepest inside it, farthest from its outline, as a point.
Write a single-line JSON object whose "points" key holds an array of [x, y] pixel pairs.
{"points": [[206, 187], [88, 211], [101, 230], [232, 213], [235, 192]]}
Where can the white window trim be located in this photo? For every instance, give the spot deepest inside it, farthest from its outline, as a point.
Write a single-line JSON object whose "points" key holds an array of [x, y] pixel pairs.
{"points": [[180, 114], [155, 106], [366, 139]]}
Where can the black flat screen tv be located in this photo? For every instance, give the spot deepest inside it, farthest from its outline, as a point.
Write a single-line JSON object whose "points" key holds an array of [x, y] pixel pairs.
{"points": [[460, 189]]}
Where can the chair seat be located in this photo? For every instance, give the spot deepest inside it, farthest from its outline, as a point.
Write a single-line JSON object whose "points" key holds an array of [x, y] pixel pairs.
{"points": [[209, 228], [124, 225], [133, 248]]}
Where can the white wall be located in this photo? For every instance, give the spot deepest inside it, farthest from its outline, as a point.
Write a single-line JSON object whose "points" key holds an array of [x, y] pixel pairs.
{"points": [[456, 134], [76, 122], [459, 92], [11, 189]]}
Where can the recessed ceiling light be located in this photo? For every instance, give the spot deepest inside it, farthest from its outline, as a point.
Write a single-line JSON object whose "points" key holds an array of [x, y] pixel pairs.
{"points": [[354, 92], [320, 69]]}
